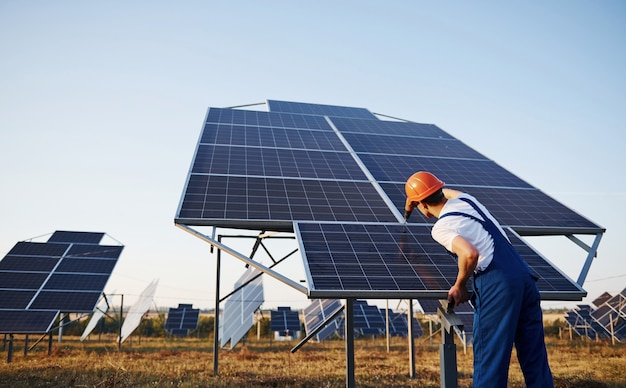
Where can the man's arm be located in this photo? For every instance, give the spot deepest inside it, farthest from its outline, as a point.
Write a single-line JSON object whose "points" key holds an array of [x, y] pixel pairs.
{"points": [[467, 255]]}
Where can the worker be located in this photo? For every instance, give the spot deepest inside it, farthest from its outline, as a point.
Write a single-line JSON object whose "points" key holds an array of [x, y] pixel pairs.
{"points": [[505, 296]]}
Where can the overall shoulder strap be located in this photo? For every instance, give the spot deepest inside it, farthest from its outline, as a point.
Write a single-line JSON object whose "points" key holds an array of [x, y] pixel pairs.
{"points": [[462, 215]]}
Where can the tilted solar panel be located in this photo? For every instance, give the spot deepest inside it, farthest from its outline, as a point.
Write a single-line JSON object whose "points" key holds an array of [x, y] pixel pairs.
{"points": [[64, 276], [318, 311], [398, 261], [238, 315], [302, 163]]}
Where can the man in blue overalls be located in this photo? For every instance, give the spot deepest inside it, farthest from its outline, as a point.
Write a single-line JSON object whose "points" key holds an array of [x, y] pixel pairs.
{"points": [[506, 300]]}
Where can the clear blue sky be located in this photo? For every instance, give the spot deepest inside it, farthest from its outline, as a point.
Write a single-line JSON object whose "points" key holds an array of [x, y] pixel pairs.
{"points": [[101, 105]]}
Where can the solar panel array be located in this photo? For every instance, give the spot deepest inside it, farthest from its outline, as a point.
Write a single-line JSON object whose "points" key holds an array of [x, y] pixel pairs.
{"points": [[398, 325], [314, 169], [182, 320], [371, 321], [285, 322], [606, 320], [40, 279], [238, 314], [368, 320]]}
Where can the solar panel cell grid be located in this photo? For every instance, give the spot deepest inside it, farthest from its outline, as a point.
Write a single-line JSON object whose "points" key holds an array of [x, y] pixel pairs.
{"points": [[270, 162], [26, 321], [15, 299], [34, 264], [90, 266], [66, 301], [365, 260], [393, 168], [76, 237], [391, 128], [38, 249], [274, 119], [319, 109], [403, 145]]}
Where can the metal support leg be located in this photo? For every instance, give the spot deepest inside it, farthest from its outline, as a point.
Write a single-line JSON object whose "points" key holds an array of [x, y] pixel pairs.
{"points": [[216, 327], [349, 327], [447, 350], [411, 341], [447, 359], [10, 352]]}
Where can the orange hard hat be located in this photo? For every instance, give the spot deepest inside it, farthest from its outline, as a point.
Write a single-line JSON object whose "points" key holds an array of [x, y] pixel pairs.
{"points": [[420, 186]]}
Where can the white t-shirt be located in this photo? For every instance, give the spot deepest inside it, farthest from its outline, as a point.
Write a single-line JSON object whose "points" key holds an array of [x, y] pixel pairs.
{"points": [[447, 228]]}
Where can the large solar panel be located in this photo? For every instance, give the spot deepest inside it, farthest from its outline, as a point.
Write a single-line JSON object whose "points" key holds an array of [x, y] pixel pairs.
{"points": [[398, 261], [304, 162], [65, 274], [321, 166]]}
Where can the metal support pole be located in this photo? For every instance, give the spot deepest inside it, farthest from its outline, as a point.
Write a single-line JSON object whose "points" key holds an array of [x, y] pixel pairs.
{"points": [[10, 352], [119, 341], [26, 345], [61, 319], [387, 327], [447, 359], [411, 341], [447, 349], [49, 343], [349, 334], [216, 322]]}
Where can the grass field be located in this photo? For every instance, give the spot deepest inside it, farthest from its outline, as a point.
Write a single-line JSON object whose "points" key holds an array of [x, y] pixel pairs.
{"points": [[189, 363]]}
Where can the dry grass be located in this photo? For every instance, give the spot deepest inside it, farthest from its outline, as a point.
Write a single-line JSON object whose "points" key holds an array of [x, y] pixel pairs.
{"points": [[189, 363]]}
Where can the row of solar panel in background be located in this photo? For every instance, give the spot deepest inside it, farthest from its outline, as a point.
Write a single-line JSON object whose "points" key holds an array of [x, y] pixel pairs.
{"points": [[253, 170], [606, 320], [368, 320]]}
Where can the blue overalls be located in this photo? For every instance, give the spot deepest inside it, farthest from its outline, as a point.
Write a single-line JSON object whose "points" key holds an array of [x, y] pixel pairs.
{"points": [[506, 311]]}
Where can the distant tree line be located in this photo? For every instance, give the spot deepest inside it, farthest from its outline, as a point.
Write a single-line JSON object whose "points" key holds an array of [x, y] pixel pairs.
{"points": [[154, 326]]}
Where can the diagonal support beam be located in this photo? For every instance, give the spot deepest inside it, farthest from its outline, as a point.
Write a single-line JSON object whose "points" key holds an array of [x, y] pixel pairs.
{"points": [[317, 329], [245, 259], [590, 255]]}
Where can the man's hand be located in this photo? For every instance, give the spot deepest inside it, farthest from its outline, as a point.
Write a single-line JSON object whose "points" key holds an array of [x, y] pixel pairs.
{"points": [[458, 295]]}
